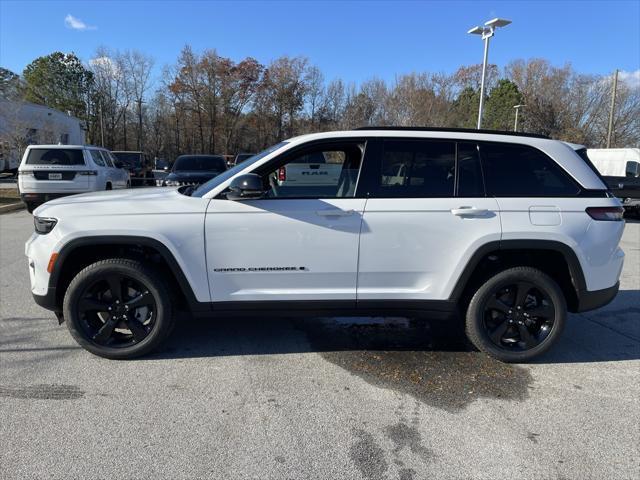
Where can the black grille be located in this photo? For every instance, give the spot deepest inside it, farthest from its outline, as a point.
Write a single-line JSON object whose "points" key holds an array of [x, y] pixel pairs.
{"points": [[44, 175]]}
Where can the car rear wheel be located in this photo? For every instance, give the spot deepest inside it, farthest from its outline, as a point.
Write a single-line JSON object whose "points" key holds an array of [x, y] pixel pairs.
{"points": [[518, 314], [118, 308]]}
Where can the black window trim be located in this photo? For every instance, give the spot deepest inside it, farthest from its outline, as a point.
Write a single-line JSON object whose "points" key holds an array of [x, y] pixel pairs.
{"points": [[456, 192], [371, 170]]}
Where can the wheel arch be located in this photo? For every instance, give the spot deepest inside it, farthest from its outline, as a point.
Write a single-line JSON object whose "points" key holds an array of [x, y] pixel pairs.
{"points": [[555, 258], [81, 252]]}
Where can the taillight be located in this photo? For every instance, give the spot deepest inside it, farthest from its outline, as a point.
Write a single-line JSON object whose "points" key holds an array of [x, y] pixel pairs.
{"points": [[607, 214], [88, 172], [282, 174]]}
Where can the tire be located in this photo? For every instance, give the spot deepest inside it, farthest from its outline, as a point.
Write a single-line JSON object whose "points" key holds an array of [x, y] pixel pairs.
{"points": [[138, 323], [108, 186], [30, 207], [496, 326]]}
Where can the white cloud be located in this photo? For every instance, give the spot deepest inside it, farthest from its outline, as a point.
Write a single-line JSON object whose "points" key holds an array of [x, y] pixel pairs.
{"points": [[630, 78], [76, 24]]}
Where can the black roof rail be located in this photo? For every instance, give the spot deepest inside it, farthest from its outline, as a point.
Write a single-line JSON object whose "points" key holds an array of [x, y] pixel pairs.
{"points": [[456, 130]]}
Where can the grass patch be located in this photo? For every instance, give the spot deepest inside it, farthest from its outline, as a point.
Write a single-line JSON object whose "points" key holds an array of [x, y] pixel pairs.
{"points": [[9, 195]]}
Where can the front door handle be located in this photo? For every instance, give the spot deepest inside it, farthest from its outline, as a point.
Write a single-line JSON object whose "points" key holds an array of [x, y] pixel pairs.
{"points": [[334, 212], [469, 211]]}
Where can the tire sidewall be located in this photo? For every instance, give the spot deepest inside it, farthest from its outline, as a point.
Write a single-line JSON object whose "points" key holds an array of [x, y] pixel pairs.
{"points": [[475, 313], [134, 270]]}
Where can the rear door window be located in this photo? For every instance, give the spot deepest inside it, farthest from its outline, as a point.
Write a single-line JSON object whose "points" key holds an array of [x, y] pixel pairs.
{"points": [[521, 171], [97, 158], [417, 169], [55, 156]]}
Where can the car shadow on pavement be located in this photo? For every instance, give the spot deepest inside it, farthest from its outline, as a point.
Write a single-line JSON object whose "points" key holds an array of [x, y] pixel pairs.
{"points": [[608, 334]]}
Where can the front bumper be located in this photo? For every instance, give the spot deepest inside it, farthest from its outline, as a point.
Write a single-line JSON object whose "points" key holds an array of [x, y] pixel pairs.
{"points": [[48, 300], [590, 300]]}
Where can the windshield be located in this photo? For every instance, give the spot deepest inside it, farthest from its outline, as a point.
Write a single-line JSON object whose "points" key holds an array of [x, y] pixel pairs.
{"points": [[199, 162], [214, 182], [55, 156], [133, 159]]}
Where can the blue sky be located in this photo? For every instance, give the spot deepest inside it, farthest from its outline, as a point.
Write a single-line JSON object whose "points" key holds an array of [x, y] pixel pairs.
{"points": [[352, 40]]}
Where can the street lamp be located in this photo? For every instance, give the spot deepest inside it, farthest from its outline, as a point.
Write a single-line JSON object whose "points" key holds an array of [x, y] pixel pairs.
{"points": [[515, 124], [486, 32]]}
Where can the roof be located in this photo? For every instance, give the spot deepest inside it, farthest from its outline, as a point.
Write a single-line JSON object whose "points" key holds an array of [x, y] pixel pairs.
{"points": [[60, 145], [457, 130]]}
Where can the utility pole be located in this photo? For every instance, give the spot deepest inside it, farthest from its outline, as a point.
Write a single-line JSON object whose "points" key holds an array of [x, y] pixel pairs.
{"points": [[139, 102], [613, 106], [101, 126], [515, 124]]}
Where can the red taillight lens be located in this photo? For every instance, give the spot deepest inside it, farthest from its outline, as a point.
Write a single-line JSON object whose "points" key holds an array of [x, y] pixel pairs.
{"points": [[607, 214], [282, 174]]}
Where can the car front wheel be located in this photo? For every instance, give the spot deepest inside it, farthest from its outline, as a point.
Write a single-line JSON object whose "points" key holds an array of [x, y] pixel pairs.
{"points": [[518, 314], [118, 308]]}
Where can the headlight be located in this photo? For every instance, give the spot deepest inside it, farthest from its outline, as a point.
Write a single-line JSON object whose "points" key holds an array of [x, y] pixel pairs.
{"points": [[172, 183], [44, 224]]}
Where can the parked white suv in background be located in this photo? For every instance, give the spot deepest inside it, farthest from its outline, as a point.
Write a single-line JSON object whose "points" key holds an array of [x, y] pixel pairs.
{"points": [[53, 171], [510, 231]]}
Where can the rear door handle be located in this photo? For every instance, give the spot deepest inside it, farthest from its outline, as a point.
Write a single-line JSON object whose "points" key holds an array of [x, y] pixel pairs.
{"points": [[469, 211], [334, 212]]}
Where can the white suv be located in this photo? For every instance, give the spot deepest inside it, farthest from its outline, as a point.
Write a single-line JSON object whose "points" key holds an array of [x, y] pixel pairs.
{"points": [[508, 231], [53, 171]]}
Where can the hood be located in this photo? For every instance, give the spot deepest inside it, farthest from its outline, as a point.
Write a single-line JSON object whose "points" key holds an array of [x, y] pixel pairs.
{"points": [[128, 194], [130, 201]]}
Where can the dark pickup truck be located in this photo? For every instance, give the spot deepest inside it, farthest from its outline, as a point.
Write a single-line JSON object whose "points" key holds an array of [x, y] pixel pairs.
{"points": [[620, 169], [139, 166]]}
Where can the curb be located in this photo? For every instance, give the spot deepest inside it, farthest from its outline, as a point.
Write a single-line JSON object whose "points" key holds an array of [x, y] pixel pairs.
{"points": [[11, 207]]}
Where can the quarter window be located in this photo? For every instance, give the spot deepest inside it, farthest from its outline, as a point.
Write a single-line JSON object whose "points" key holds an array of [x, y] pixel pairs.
{"points": [[107, 159], [523, 171], [97, 158], [418, 168]]}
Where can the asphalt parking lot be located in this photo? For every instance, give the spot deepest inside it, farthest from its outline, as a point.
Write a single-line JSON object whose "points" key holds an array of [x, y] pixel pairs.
{"points": [[319, 398]]}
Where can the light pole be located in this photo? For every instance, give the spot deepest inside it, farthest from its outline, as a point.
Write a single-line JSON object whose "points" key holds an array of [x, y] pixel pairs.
{"points": [[613, 107], [486, 32], [515, 124]]}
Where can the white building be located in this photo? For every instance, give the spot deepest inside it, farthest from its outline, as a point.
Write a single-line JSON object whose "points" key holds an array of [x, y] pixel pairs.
{"points": [[24, 123]]}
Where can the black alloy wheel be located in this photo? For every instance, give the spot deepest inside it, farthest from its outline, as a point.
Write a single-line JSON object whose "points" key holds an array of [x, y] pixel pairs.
{"points": [[118, 311], [118, 308], [516, 315]]}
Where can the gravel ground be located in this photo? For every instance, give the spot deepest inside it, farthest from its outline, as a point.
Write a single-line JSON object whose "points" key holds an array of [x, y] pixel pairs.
{"points": [[319, 398]]}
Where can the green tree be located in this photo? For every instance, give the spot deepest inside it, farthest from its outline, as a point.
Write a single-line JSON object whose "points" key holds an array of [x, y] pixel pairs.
{"points": [[499, 112], [9, 84], [58, 81], [465, 108]]}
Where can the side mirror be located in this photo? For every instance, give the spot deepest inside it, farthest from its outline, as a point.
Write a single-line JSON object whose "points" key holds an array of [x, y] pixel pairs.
{"points": [[118, 164], [246, 187]]}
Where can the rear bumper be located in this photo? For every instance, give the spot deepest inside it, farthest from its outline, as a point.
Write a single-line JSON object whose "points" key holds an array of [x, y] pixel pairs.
{"points": [[590, 300], [40, 198]]}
